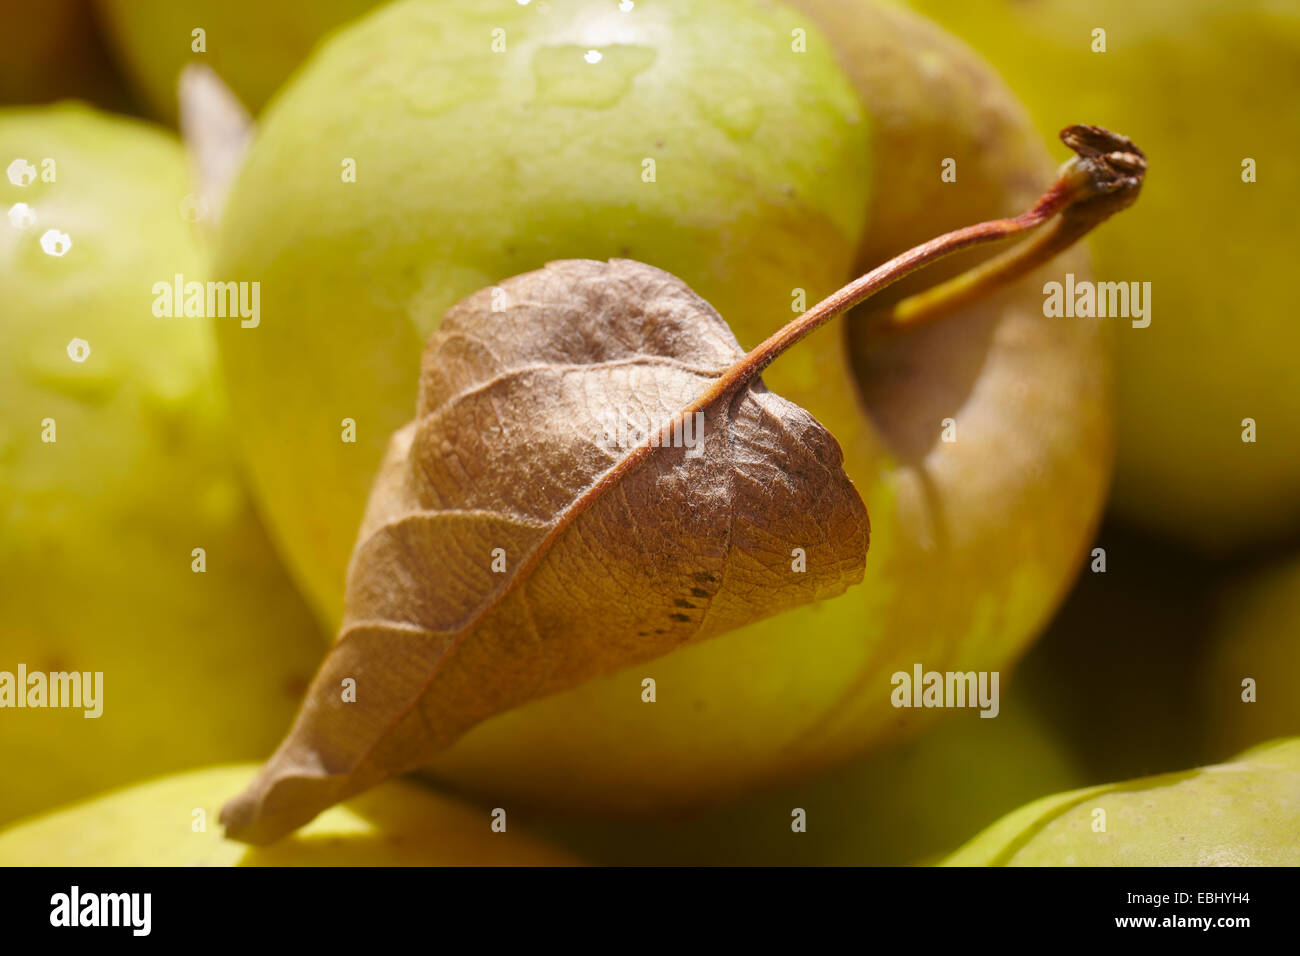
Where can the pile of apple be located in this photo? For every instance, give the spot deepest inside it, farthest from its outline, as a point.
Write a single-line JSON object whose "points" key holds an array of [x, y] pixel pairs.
{"points": [[189, 530]]}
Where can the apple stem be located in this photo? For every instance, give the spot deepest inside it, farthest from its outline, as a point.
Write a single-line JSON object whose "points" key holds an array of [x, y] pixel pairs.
{"points": [[1102, 178]]}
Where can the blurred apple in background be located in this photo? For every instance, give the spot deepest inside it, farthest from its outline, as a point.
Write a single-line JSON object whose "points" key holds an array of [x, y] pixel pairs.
{"points": [[252, 44], [116, 463], [1208, 90]]}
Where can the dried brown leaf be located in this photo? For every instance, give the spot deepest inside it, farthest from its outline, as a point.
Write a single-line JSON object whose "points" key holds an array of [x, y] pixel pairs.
{"points": [[613, 555]]}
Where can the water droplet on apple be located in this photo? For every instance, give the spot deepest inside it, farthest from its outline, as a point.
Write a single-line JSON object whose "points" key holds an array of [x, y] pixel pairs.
{"points": [[21, 172], [56, 243], [21, 215], [564, 74]]}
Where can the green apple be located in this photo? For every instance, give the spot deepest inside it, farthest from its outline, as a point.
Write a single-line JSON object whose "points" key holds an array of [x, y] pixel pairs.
{"points": [[724, 144], [1203, 89], [540, 155], [1242, 813], [908, 804], [1255, 637], [253, 45], [173, 822], [116, 464]]}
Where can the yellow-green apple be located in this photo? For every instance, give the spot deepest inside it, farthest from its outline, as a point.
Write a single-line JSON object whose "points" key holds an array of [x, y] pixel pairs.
{"points": [[1242, 813], [1208, 90], [433, 149], [129, 547], [254, 46], [172, 822]]}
